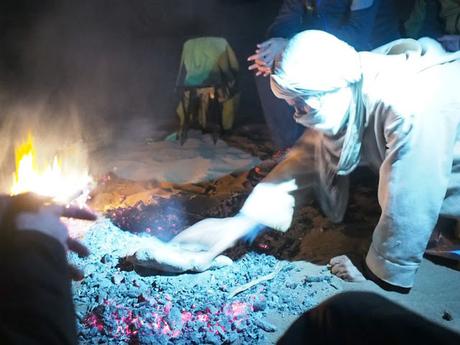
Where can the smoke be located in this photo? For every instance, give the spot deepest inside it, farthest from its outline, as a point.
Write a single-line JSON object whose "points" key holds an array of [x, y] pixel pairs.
{"points": [[76, 73], [79, 70]]}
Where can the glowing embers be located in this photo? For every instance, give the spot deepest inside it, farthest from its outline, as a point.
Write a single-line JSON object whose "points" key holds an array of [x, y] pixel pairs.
{"points": [[157, 319], [164, 219], [63, 179]]}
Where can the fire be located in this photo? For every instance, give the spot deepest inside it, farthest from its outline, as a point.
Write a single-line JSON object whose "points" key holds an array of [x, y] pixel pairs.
{"points": [[49, 180]]}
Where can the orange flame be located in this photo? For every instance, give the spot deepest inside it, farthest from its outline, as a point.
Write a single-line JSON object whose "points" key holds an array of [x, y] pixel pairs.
{"points": [[49, 181]]}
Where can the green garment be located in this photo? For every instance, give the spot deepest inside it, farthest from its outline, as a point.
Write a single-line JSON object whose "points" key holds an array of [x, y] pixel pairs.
{"points": [[449, 14], [209, 65], [415, 21]]}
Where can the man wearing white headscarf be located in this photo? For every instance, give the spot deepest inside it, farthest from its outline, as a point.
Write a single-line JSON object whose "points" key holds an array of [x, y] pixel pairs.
{"points": [[396, 109]]}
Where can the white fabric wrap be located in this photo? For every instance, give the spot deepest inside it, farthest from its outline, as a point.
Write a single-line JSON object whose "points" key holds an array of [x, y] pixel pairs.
{"points": [[315, 61], [414, 102], [271, 205]]}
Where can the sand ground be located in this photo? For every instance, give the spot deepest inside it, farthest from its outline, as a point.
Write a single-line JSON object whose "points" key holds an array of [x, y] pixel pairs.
{"points": [[140, 153]]}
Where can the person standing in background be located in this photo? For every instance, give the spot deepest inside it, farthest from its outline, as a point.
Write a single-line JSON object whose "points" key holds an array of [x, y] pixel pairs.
{"points": [[439, 19], [364, 24]]}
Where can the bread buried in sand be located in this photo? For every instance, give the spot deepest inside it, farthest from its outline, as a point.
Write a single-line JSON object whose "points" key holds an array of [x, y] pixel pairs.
{"points": [[175, 257]]}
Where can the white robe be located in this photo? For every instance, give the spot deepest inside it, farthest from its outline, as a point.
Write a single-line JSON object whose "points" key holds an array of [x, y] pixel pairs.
{"points": [[411, 139]]}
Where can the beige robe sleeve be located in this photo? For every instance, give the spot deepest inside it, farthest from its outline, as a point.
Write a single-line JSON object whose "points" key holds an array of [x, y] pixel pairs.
{"points": [[303, 170]]}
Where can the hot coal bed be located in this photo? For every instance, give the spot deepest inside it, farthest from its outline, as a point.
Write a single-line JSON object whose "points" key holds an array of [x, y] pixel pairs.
{"points": [[252, 301]]}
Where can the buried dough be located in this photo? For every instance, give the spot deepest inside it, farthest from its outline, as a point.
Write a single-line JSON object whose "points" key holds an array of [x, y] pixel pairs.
{"points": [[175, 258]]}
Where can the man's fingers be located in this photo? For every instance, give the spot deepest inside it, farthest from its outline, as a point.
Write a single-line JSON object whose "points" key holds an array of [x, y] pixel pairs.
{"points": [[75, 273], [261, 58], [258, 64], [254, 57], [261, 63], [264, 45], [263, 72], [338, 260], [77, 247], [336, 268]]}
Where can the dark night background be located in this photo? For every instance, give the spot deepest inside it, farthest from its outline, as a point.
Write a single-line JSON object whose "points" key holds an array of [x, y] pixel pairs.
{"points": [[115, 59]]}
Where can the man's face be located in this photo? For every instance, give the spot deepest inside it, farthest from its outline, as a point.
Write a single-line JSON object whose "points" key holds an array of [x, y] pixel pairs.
{"points": [[326, 112]]}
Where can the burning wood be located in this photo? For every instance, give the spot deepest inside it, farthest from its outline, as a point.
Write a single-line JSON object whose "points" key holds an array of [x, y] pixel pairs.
{"points": [[69, 184]]}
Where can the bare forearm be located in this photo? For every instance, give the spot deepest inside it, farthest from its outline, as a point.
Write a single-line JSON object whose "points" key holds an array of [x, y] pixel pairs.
{"points": [[299, 164]]}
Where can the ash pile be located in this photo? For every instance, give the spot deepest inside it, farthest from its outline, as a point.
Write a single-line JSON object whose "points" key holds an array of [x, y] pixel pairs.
{"points": [[252, 301], [248, 302]]}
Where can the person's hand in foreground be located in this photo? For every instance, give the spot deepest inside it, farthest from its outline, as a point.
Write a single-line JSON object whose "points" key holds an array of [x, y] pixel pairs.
{"points": [[195, 249], [450, 42], [266, 52], [35, 213], [36, 297]]}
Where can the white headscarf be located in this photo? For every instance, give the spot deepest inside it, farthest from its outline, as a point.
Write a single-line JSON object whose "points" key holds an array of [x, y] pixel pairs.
{"points": [[315, 62]]}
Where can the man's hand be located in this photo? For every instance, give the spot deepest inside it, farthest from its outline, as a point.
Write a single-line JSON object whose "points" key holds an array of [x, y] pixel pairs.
{"points": [[271, 204], [215, 235], [450, 42], [196, 248], [31, 212], [265, 55]]}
